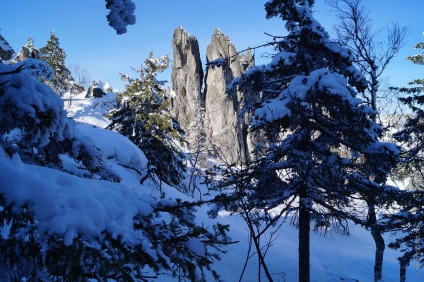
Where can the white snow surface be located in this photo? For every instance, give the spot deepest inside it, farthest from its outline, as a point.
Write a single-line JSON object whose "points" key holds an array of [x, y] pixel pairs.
{"points": [[67, 204], [70, 204], [90, 110]]}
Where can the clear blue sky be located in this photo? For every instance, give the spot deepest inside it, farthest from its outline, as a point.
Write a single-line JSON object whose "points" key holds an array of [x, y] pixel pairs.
{"points": [[89, 41]]}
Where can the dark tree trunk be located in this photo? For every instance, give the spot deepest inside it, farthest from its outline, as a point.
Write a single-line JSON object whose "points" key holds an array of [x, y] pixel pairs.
{"points": [[379, 243], [304, 229], [402, 273]]}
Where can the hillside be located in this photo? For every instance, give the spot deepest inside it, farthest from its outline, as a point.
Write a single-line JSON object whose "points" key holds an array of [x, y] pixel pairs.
{"points": [[334, 257]]}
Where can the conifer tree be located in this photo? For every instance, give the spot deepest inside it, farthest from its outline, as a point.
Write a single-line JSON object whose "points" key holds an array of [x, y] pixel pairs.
{"points": [[322, 143], [411, 217], [55, 56], [143, 116], [355, 30]]}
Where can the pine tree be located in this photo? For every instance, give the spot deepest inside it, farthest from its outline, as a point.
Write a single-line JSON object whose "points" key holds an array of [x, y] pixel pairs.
{"points": [[143, 116], [322, 143], [55, 56], [33, 122], [411, 217]]}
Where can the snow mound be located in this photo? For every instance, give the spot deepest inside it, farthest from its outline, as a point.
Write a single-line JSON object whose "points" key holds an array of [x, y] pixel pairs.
{"points": [[70, 205]]}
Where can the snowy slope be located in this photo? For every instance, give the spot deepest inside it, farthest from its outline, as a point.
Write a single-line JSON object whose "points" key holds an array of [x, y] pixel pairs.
{"points": [[334, 257], [78, 204]]}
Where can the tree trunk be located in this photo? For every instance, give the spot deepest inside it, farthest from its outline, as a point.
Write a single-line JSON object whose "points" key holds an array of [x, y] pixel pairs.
{"points": [[403, 265], [379, 243], [304, 240]]}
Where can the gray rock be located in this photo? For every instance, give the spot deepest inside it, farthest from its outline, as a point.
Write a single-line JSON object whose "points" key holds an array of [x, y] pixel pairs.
{"points": [[27, 51], [187, 78], [225, 126], [6, 51], [211, 118], [98, 89]]}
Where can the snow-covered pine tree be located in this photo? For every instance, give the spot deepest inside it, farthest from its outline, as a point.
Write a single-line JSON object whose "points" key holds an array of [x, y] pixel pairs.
{"points": [[143, 116], [33, 123], [158, 238], [55, 56], [355, 30], [321, 140], [410, 219]]}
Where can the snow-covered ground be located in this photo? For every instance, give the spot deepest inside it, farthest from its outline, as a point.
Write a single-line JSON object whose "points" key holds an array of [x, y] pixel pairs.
{"points": [[334, 257], [96, 205]]}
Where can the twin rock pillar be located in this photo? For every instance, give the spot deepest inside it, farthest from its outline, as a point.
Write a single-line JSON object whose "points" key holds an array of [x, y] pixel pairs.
{"points": [[210, 116]]}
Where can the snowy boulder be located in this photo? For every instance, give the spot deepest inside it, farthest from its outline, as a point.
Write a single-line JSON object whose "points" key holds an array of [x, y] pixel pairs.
{"points": [[99, 89], [28, 51], [6, 52]]}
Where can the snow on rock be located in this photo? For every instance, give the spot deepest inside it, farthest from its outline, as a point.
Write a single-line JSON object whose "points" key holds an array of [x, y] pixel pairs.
{"points": [[6, 51], [99, 89]]}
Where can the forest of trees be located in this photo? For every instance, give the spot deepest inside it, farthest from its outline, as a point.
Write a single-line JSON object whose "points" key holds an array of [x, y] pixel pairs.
{"points": [[323, 159]]}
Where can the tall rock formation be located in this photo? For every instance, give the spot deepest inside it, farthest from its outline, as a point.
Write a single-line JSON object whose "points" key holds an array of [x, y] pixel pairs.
{"points": [[225, 127], [187, 78], [6, 52], [211, 118]]}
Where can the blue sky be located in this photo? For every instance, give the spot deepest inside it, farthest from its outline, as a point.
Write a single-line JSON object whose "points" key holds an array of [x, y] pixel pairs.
{"points": [[88, 40]]}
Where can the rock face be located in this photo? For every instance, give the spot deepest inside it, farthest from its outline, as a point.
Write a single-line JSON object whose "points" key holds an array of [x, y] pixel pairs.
{"points": [[98, 89], [224, 125], [27, 51], [6, 52], [187, 78], [213, 115]]}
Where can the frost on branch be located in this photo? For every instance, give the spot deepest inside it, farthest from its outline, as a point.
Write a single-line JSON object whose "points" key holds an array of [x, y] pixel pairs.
{"points": [[121, 14]]}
